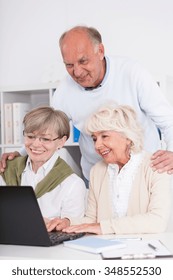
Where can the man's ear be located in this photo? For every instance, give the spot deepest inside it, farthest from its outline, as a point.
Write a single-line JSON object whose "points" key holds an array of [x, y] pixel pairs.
{"points": [[101, 51]]}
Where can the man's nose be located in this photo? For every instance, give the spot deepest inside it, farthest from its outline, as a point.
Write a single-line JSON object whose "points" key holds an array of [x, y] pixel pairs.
{"points": [[77, 70]]}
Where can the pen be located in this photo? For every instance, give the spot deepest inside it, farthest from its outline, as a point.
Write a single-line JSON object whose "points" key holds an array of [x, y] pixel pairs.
{"points": [[152, 247]]}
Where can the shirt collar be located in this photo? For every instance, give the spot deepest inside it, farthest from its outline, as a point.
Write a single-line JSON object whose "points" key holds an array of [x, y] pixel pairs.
{"points": [[47, 166]]}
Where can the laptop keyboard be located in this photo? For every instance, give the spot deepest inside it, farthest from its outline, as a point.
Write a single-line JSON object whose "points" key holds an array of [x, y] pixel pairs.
{"points": [[57, 237]]}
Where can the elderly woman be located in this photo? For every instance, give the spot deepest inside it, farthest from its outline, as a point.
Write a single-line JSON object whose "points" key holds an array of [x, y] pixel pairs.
{"points": [[125, 195], [59, 191]]}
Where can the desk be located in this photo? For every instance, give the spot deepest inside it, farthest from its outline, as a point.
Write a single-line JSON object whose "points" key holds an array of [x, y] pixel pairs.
{"points": [[60, 252]]}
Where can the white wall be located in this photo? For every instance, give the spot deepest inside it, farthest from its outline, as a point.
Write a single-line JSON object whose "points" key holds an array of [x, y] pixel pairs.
{"points": [[29, 32]]}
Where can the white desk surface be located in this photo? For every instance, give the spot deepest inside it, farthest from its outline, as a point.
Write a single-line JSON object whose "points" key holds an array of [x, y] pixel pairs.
{"points": [[59, 252]]}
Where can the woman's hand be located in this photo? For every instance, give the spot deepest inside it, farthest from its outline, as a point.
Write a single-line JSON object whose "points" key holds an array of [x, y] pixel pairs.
{"points": [[56, 224], [89, 228]]}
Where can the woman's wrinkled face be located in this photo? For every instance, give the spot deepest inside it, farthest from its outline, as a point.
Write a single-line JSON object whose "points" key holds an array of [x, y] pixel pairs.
{"points": [[112, 146], [41, 146]]}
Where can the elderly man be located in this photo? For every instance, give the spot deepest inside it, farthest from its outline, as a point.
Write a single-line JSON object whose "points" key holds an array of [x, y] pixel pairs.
{"points": [[95, 79]]}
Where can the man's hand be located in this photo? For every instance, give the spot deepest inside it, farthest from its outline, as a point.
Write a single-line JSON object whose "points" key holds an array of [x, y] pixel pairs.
{"points": [[56, 224], [5, 157], [162, 161]]}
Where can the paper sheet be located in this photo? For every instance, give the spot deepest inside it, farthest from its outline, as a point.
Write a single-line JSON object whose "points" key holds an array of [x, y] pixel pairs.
{"points": [[138, 249]]}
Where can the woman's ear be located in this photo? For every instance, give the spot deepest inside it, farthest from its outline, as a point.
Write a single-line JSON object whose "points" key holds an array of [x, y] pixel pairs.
{"points": [[61, 142]]}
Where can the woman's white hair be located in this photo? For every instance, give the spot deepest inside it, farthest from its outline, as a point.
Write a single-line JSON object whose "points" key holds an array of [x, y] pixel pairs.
{"points": [[119, 118]]}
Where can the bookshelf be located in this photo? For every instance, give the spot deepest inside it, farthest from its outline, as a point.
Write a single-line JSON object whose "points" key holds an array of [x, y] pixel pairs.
{"points": [[37, 95]]}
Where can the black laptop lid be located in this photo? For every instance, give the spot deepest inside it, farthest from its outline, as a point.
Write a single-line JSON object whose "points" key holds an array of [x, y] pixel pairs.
{"points": [[21, 221]]}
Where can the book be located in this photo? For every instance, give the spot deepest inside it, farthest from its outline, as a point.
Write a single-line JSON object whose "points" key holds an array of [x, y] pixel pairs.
{"points": [[8, 123], [94, 244], [76, 134], [19, 111]]}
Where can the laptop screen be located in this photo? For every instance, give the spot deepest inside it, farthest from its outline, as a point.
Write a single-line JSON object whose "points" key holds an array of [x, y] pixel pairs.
{"points": [[20, 217]]}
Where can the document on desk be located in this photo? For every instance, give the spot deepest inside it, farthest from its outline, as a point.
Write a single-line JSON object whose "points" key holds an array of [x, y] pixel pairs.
{"points": [[139, 249]]}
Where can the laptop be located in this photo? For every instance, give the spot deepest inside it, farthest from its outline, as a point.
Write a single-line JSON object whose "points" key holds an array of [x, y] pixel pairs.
{"points": [[21, 221]]}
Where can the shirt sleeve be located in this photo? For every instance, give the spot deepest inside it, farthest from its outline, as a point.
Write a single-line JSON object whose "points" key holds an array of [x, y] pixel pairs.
{"points": [[155, 104], [73, 204], [2, 182]]}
